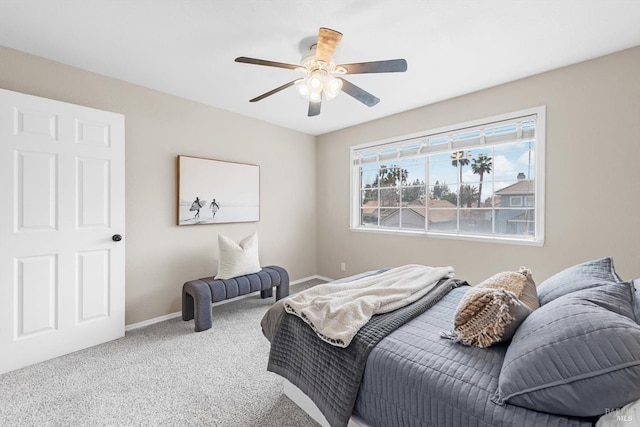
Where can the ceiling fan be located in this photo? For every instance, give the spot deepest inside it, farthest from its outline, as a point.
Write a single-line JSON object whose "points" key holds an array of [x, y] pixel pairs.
{"points": [[321, 76]]}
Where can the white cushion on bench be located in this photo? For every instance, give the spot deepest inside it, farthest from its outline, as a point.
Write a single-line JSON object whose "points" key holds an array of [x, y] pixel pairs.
{"points": [[237, 259]]}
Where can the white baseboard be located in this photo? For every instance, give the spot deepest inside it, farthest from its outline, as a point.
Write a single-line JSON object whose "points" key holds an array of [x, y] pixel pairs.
{"points": [[152, 321], [306, 279], [149, 322]]}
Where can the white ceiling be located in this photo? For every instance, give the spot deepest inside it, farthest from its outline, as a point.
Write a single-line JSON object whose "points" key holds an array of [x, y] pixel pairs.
{"points": [[187, 47]]}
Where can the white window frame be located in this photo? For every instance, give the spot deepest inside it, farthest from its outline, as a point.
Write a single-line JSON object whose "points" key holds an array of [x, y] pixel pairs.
{"points": [[540, 138]]}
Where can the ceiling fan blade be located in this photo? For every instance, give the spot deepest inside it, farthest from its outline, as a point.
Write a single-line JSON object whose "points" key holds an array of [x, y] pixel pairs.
{"points": [[360, 94], [314, 108], [264, 62], [328, 40], [389, 66], [276, 90]]}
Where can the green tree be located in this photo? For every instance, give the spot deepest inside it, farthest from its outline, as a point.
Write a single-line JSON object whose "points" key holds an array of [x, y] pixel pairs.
{"points": [[481, 165], [389, 179], [413, 191], [370, 194], [440, 191], [388, 176], [392, 176], [468, 195]]}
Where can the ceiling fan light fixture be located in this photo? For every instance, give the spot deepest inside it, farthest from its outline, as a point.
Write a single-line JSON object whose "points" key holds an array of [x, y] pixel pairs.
{"points": [[321, 77], [315, 80], [315, 96], [317, 83], [303, 89], [333, 88]]}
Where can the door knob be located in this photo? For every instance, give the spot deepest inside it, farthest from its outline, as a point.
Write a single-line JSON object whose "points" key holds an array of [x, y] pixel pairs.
{"points": [[116, 237]]}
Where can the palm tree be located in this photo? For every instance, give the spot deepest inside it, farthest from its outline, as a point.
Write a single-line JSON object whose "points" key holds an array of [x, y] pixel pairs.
{"points": [[481, 165], [390, 176], [468, 195], [462, 159]]}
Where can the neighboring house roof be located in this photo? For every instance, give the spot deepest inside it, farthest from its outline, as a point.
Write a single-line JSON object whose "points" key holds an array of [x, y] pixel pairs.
{"points": [[524, 186], [418, 207], [439, 210], [370, 207], [435, 203]]}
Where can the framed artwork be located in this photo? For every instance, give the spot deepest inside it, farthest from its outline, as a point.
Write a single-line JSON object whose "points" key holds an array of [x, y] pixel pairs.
{"points": [[215, 192]]}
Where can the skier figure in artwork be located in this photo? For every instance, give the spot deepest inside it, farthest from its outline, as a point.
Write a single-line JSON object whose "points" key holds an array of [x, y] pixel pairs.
{"points": [[214, 208]]}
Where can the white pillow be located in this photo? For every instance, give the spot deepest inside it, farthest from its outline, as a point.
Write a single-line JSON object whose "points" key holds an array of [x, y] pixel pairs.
{"points": [[237, 259]]}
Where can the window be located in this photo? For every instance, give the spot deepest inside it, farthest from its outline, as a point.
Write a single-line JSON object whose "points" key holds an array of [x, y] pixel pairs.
{"points": [[478, 180], [515, 201]]}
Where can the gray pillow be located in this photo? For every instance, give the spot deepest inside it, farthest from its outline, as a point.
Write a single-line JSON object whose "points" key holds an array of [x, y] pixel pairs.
{"points": [[582, 276], [578, 355]]}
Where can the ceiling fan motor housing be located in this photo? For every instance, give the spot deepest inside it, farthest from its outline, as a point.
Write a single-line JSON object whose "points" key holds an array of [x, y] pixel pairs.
{"points": [[309, 56]]}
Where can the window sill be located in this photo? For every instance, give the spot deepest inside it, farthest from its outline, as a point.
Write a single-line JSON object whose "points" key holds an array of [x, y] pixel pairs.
{"points": [[451, 236]]}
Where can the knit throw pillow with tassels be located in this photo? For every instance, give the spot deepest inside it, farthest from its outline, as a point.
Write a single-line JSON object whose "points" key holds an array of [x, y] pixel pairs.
{"points": [[492, 311]]}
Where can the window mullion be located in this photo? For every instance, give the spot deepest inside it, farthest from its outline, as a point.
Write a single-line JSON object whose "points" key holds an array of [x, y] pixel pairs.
{"points": [[493, 196], [427, 194], [379, 199]]}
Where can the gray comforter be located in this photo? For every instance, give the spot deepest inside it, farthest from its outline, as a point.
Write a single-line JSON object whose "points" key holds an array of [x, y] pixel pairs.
{"points": [[331, 375], [415, 378]]}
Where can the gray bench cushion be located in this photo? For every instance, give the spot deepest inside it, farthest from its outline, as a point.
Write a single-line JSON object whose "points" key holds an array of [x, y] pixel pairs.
{"points": [[197, 295]]}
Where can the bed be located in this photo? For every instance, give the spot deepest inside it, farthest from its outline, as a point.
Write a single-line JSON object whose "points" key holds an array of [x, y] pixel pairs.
{"points": [[413, 377]]}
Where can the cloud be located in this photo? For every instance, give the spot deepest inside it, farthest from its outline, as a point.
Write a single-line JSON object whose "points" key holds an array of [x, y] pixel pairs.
{"points": [[524, 159], [504, 168]]}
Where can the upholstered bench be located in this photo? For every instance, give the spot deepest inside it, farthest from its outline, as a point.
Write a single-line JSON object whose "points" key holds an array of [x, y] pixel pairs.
{"points": [[198, 295]]}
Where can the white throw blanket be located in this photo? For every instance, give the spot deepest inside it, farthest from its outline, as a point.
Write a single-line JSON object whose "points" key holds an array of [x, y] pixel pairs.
{"points": [[337, 311]]}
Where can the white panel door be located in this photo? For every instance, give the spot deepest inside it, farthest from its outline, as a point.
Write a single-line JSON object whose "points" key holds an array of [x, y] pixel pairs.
{"points": [[62, 189]]}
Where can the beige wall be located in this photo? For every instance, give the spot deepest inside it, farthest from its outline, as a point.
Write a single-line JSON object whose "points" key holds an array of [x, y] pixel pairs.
{"points": [[592, 176], [592, 197], [161, 256]]}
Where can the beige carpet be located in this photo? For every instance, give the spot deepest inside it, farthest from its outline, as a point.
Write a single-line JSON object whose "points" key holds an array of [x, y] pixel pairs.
{"points": [[160, 375]]}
